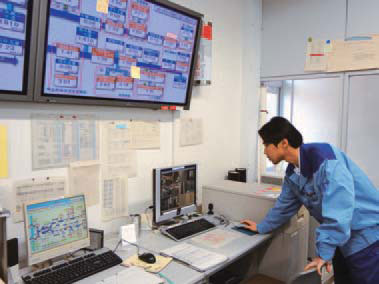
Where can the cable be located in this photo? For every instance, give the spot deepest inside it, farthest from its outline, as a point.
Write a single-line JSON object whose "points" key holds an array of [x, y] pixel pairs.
{"points": [[165, 278]]}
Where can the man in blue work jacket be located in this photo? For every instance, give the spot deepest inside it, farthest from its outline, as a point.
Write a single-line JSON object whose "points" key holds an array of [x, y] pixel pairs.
{"points": [[336, 192]]}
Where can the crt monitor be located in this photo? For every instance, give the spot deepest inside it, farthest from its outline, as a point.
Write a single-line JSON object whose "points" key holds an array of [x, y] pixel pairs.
{"points": [[55, 227], [174, 192], [137, 53], [17, 17]]}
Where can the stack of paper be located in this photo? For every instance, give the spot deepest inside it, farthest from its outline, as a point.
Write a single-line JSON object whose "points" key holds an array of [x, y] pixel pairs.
{"points": [[198, 258]]}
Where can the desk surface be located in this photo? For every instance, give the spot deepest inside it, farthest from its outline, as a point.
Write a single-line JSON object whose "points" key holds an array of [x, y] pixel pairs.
{"points": [[179, 273]]}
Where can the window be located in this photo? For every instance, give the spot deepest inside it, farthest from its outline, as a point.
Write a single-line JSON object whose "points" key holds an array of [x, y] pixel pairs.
{"points": [[278, 102], [313, 105]]}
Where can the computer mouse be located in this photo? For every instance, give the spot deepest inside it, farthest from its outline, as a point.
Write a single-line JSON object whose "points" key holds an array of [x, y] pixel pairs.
{"points": [[147, 257]]}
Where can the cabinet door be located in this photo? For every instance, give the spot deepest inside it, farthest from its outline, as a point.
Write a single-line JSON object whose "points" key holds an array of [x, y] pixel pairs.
{"points": [[317, 107], [363, 123]]}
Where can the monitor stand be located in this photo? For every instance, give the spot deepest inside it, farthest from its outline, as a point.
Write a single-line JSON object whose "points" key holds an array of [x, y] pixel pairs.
{"points": [[169, 222]]}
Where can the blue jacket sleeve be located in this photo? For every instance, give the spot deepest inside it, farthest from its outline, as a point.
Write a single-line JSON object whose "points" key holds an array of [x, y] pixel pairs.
{"points": [[337, 208], [285, 207]]}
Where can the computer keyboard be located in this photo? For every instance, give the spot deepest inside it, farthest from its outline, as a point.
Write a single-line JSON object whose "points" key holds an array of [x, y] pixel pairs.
{"points": [[74, 270], [189, 229]]}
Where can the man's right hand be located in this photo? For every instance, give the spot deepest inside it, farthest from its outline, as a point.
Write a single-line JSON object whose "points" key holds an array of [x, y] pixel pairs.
{"points": [[250, 225]]}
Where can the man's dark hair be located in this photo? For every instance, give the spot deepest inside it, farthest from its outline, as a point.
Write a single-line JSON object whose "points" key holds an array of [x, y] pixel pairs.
{"points": [[279, 128]]}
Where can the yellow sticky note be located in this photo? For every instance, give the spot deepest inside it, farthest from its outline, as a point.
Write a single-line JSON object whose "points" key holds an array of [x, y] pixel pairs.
{"points": [[3, 152], [102, 6], [136, 72]]}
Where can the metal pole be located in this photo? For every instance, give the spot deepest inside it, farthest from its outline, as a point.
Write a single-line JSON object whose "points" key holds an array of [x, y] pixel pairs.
{"points": [[3, 246]]}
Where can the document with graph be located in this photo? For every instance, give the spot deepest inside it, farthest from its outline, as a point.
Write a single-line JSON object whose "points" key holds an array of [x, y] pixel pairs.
{"points": [[198, 258]]}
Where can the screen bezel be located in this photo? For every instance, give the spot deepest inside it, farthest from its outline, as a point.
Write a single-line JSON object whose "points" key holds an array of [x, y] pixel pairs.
{"points": [[57, 251], [41, 96], [158, 217], [31, 30]]}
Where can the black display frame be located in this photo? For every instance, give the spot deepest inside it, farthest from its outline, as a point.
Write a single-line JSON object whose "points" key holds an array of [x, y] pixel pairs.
{"points": [[41, 96], [31, 31]]}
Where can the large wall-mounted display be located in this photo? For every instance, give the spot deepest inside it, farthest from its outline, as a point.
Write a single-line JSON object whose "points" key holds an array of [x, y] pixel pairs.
{"points": [[140, 53], [15, 49]]}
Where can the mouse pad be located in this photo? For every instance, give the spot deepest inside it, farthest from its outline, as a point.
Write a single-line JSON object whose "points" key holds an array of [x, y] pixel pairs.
{"points": [[244, 230], [161, 263]]}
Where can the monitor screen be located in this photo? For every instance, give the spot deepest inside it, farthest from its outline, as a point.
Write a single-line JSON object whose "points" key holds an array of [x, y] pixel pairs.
{"points": [[174, 191], [55, 227], [139, 51], [14, 45]]}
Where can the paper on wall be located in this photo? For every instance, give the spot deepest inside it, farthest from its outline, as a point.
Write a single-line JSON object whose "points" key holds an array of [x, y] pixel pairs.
{"points": [[353, 55], [144, 135], [203, 70], [3, 151], [35, 189], [84, 178], [114, 198], [317, 54], [118, 160], [128, 168], [58, 140], [191, 131]]}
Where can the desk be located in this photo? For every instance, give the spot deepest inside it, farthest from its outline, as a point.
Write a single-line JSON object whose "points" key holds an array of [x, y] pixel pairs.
{"points": [[179, 273]]}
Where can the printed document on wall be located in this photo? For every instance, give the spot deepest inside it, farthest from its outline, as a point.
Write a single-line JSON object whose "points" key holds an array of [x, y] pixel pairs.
{"points": [[35, 189], [128, 168], [84, 178], [191, 131], [3, 151], [58, 140], [317, 55], [144, 135], [118, 160], [354, 55], [203, 70], [114, 198]]}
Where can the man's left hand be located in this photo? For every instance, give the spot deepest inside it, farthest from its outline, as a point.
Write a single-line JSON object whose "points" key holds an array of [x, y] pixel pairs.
{"points": [[319, 263]]}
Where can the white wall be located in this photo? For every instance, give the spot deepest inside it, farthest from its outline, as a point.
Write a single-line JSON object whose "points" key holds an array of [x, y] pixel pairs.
{"points": [[287, 24], [356, 24], [228, 108]]}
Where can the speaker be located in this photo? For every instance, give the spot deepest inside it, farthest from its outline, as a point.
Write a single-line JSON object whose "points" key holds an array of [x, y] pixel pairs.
{"points": [[242, 172], [13, 271], [233, 175], [12, 247], [96, 238]]}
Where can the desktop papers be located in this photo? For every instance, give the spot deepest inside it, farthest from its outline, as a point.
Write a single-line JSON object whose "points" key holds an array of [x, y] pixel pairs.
{"points": [[191, 131], [3, 152], [144, 135], [116, 156], [216, 238], [58, 140], [84, 178], [114, 198], [35, 189], [196, 257]]}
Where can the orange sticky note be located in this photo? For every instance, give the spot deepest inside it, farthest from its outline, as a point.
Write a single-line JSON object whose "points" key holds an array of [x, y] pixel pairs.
{"points": [[102, 6]]}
